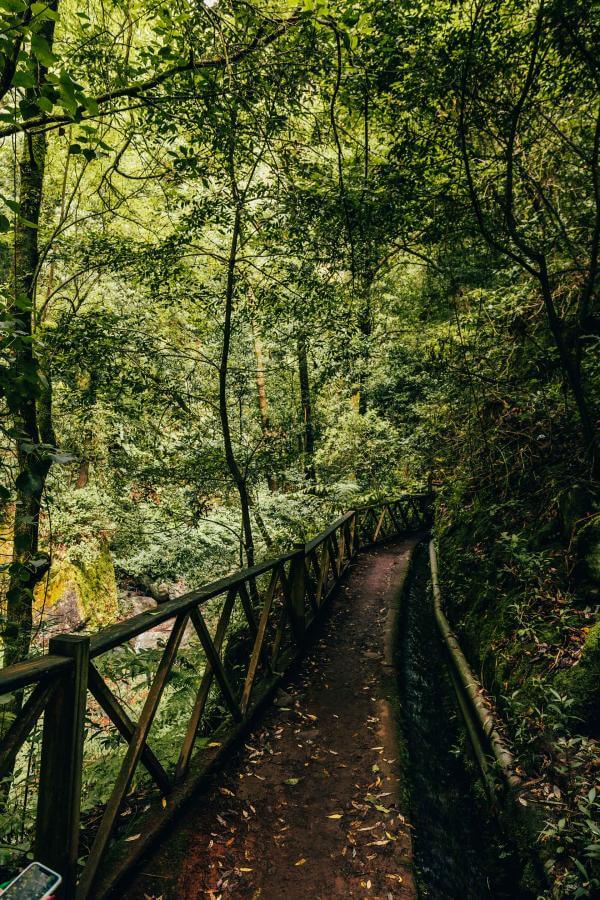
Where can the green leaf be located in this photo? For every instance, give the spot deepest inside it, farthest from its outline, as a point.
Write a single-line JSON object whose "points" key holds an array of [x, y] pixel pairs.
{"points": [[42, 50], [4, 223], [91, 105], [43, 11], [13, 5], [23, 79], [28, 483], [12, 204], [44, 104]]}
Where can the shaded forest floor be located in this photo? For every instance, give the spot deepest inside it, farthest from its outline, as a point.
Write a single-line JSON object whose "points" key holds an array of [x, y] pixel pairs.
{"points": [[311, 806]]}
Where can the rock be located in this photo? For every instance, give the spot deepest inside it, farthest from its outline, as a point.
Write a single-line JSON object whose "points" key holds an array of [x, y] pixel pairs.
{"points": [[79, 594], [284, 699], [159, 591], [131, 604]]}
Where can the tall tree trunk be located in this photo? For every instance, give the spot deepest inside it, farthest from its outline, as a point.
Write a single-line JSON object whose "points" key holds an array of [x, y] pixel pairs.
{"points": [[30, 402], [308, 433], [572, 371], [365, 325], [262, 526], [234, 469], [263, 402], [33, 460]]}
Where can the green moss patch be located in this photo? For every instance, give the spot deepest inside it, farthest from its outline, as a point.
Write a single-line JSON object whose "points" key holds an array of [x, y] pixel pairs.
{"points": [[581, 682], [82, 593]]}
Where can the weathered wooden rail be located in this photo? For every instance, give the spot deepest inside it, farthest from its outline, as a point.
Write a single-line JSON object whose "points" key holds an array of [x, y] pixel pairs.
{"points": [[274, 604]]}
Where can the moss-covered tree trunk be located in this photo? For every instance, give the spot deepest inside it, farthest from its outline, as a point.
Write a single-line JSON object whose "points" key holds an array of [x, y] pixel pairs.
{"points": [[30, 396]]}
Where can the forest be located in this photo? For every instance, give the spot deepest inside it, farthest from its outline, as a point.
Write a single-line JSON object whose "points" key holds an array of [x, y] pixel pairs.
{"points": [[266, 261]]}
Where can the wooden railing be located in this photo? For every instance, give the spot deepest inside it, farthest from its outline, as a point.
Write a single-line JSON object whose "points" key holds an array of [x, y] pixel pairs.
{"points": [[270, 607]]}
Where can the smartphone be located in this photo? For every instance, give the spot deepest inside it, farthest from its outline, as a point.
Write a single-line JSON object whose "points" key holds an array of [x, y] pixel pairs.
{"points": [[36, 882]]}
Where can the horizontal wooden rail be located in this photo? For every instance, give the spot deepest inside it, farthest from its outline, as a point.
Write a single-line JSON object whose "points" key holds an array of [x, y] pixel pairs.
{"points": [[32, 671], [268, 609], [469, 692], [114, 635]]}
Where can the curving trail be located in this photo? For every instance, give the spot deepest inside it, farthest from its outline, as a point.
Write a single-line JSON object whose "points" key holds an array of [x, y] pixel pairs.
{"points": [[311, 808]]}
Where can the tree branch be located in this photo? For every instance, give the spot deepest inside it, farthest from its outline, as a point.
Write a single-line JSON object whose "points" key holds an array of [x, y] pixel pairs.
{"points": [[140, 88]]}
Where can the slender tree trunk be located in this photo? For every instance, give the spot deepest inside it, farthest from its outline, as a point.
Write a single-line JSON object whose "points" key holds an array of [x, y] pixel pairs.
{"points": [[533, 261], [308, 433], [365, 325], [262, 526], [31, 411], [234, 469], [572, 371], [263, 402], [30, 402]]}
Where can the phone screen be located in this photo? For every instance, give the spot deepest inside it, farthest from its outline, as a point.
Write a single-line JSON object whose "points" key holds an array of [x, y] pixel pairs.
{"points": [[34, 883]]}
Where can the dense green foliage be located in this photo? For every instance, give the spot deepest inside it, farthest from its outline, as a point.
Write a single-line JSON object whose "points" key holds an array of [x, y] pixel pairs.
{"points": [[265, 260]]}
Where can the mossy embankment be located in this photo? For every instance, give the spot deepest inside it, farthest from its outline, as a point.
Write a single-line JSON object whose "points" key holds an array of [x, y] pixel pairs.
{"points": [[521, 583]]}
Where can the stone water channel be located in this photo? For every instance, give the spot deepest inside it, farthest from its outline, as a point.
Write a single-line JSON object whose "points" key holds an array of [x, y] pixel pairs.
{"points": [[459, 852]]}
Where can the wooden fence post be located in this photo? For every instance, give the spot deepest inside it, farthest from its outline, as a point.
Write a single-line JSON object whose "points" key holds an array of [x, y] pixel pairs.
{"points": [[297, 578], [59, 800], [356, 534]]}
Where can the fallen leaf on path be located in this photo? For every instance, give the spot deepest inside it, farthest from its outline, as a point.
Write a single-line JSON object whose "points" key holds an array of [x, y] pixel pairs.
{"points": [[292, 781], [332, 816], [300, 862], [133, 837]]}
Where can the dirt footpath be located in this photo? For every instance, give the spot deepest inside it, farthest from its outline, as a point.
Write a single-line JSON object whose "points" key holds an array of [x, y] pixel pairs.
{"points": [[310, 808]]}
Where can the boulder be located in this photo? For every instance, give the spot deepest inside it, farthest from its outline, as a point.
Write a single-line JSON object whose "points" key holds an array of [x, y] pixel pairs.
{"points": [[77, 594]]}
